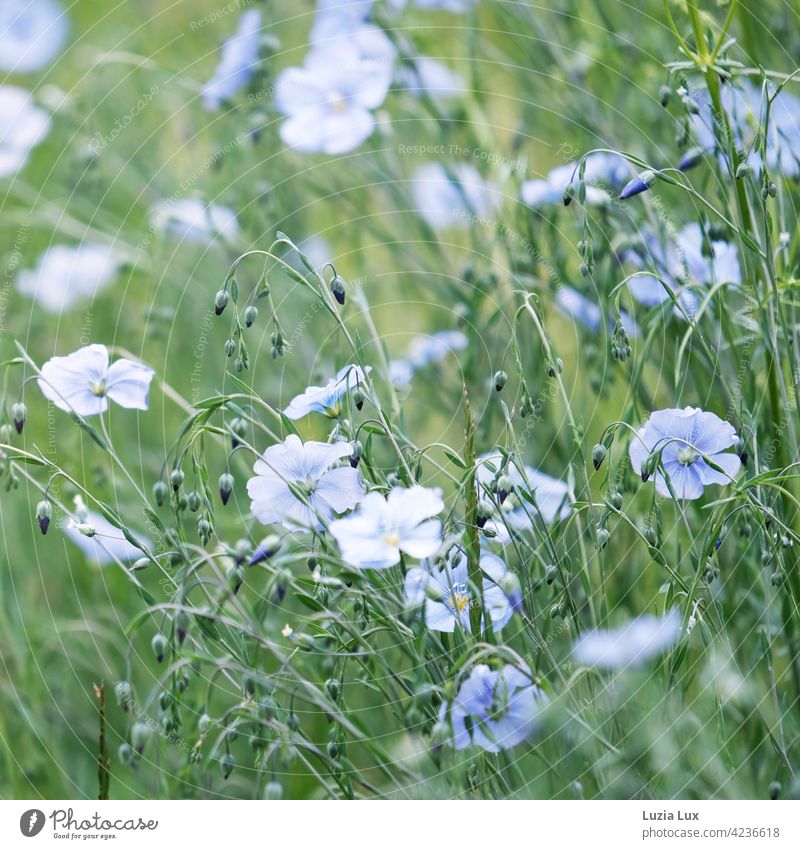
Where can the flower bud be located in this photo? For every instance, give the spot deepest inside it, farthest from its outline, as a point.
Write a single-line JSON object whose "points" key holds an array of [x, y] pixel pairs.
{"points": [[500, 380], [358, 399], [569, 194], [273, 791], [235, 577], [159, 645], [637, 185], [160, 492], [204, 529], [550, 574], [238, 432], [775, 790], [648, 466], [18, 413], [598, 455], [334, 688], [124, 693], [603, 536], [43, 513], [230, 348], [267, 548], [181, 625], [250, 316], [140, 734], [504, 486], [125, 754], [221, 301], [664, 94], [616, 500], [484, 514], [267, 707], [176, 479], [227, 763], [203, 723], [225, 487], [338, 290], [194, 501], [164, 699], [355, 457]]}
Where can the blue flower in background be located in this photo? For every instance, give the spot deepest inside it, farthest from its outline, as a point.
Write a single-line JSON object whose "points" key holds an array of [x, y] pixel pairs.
{"points": [[192, 220], [237, 63], [99, 540], [495, 710], [425, 350], [294, 484], [683, 437], [588, 313], [455, 6], [32, 34], [445, 591], [338, 17], [630, 645], [326, 399], [22, 126], [452, 197], [425, 75], [328, 102], [610, 168], [66, 275]]}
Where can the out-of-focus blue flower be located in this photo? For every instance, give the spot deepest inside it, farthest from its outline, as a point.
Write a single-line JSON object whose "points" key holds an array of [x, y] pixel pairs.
{"points": [[335, 18], [551, 494], [382, 528], [608, 168], [682, 437], [32, 34], [631, 645], [431, 77], [237, 63], [328, 102], [66, 275], [495, 710], [99, 540], [294, 484], [743, 105], [191, 220], [22, 126], [682, 265], [425, 350], [83, 382], [326, 399], [453, 197], [401, 373], [445, 591], [455, 6], [588, 313]]}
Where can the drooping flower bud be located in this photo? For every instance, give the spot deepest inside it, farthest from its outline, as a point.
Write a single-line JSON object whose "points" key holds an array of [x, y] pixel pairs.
{"points": [[358, 398], [227, 763], [124, 693], [225, 487], [355, 457], [691, 159], [598, 455], [503, 487], [500, 380], [484, 514], [603, 536], [125, 754], [550, 574], [273, 791], [664, 94], [194, 501], [43, 513], [338, 289], [267, 548], [176, 479], [159, 645], [18, 413], [637, 185], [250, 315], [160, 492], [221, 301], [140, 734]]}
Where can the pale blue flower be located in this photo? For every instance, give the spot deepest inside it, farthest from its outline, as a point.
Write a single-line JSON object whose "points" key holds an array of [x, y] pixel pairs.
{"points": [[327, 399], [425, 350], [431, 77], [192, 220], [452, 197], [588, 313], [444, 589], [328, 102], [237, 63], [32, 34], [683, 437], [383, 528], [551, 494], [455, 6], [401, 373], [600, 167], [744, 106], [83, 382], [22, 126], [335, 18], [495, 710], [296, 486], [106, 544], [631, 645], [66, 275]]}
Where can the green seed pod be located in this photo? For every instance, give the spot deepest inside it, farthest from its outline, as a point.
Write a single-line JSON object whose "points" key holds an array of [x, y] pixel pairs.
{"points": [[194, 501], [334, 688], [500, 380], [603, 536], [176, 479], [250, 316], [550, 574]]}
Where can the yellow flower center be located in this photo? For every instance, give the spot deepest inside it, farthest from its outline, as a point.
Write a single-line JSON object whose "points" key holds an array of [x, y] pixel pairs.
{"points": [[392, 539], [337, 102]]}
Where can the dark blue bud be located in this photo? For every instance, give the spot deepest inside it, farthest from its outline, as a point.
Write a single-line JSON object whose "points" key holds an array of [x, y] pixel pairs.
{"points": [[691, 159], [636, 186]]}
